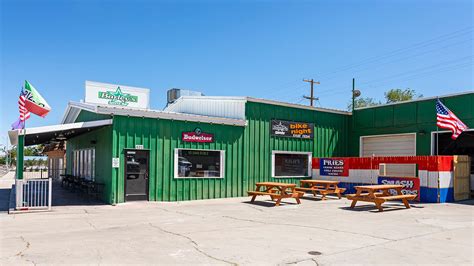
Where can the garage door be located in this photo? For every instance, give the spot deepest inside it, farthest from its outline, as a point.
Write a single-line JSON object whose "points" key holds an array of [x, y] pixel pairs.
{"points": [[388, 145]]}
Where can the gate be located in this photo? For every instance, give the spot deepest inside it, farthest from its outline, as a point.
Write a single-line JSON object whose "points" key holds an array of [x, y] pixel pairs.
{"points": [[462, 174], [33, 194]]}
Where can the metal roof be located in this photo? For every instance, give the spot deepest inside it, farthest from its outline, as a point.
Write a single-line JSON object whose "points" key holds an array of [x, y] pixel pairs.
{"points": [[230, 107], [74, 108], [37, 135]]}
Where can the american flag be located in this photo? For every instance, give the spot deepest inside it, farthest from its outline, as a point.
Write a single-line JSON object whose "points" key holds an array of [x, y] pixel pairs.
{"points": [[448, 120], [24, 113]]}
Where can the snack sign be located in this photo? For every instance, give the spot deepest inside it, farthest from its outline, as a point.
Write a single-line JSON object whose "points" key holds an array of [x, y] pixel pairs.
{"points": [[197, 136], [411, 186], [300, 130], [333, 167]]}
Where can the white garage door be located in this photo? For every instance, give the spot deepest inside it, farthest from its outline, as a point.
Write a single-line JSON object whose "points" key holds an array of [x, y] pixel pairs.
{"points": [[388, 145]]}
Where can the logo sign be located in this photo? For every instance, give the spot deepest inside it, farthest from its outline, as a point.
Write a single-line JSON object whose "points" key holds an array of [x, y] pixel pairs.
{"points": [[117, 95], [292, 129], [197, 136], [411, 186], [333, 167]]}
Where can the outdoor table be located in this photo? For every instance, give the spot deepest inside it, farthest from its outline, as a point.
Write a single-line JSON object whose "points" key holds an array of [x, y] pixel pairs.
{"points": [[323, 187], [276, 191], [379, 194]]}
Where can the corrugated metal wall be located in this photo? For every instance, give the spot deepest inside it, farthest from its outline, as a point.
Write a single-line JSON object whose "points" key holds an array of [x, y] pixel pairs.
{"points": [[330, 138], [229, 107], [413, 117], [100, 140], [161, 137]]}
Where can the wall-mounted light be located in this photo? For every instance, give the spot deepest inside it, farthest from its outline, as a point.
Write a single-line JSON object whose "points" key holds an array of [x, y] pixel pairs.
{"points": [[422, 132]]}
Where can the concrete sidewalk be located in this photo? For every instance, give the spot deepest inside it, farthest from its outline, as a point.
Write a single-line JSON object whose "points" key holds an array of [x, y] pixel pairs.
{"points": [[232, 231]]}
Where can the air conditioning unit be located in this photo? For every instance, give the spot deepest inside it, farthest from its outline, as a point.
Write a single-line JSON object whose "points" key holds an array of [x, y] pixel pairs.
{"points": [[174, 94]]}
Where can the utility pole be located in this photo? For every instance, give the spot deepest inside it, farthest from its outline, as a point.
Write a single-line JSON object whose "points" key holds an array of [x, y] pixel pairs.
{"points": [[311, 98]]}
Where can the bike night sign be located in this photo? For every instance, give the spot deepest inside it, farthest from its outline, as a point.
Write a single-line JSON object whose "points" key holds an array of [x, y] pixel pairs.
{"points": [[411, 186], [300, 130], [197, 136], [333, 167], [117, 95]]}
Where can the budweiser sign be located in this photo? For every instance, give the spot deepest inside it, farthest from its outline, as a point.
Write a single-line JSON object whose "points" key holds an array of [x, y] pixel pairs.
{"points": [[197, 136]]}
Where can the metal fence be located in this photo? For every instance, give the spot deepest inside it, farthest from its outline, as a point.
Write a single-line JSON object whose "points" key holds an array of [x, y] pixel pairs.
{"points": [[33, 194], [30, 173]]}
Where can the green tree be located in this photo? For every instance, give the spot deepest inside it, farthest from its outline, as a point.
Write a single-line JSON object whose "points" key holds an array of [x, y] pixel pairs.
{"points": [[36, 150], [399, 95], [363, 102]]}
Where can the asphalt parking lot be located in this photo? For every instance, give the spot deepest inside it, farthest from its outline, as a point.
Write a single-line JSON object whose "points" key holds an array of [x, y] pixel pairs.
{"points": [[232, 231]]}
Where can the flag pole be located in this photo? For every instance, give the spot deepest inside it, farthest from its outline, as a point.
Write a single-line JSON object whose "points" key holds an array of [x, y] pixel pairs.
{"points": [[437, 149]]}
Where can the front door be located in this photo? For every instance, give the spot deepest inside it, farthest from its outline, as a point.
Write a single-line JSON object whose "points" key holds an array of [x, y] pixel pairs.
{"points": [[136, 174]]}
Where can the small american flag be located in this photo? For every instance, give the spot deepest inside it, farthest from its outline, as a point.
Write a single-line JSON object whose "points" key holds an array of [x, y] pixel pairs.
{"points": [[448, 120], [24, 113]]}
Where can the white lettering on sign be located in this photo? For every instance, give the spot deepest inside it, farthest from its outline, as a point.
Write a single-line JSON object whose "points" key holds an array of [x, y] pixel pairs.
{"points": [[334, 162]]}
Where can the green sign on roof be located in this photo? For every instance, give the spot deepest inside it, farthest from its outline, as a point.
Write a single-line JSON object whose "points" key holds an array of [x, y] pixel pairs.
{"points": [[117, 97]]}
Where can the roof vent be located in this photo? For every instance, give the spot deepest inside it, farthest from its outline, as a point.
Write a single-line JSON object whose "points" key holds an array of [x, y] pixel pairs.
{"points": [[174, 94]]}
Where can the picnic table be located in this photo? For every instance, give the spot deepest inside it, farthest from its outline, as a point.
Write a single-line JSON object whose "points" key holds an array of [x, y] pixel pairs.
{"points": [[323, 187], [379, 194], [276, 191]]}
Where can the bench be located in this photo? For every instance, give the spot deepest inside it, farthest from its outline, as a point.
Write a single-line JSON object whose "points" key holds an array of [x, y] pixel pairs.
{"points": [[351, 196], [277, 191], [379, 194], [322, 190]]}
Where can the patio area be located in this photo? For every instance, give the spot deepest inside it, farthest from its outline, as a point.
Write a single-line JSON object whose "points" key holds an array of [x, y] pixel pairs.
{"points": [[233, 231]]}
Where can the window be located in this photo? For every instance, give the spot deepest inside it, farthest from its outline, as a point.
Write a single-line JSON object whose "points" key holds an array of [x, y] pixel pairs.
{"points": [[291, 164], [191, 163], [84, 163]]}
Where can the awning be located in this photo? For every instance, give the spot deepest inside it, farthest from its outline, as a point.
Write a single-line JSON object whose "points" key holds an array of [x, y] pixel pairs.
{"points": [[39, 135]]}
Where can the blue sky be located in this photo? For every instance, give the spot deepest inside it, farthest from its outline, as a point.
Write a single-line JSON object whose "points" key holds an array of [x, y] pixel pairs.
{"points": [[252, 48]]}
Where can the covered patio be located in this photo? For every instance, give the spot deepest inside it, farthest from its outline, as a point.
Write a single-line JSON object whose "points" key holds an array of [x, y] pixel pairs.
{"points": [[71, 188]]}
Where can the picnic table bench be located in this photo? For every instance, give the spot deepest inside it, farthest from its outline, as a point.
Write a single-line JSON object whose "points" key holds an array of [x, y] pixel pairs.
{"points": [[379, 194], [276, 191], [323, 187]]}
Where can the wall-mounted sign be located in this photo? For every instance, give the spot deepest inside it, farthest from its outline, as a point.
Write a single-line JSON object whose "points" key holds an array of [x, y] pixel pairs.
{"points": [[139, 147], [115, 162], [281, 128], [411, 186], [197, 136], [117, 95], [333, 167]]}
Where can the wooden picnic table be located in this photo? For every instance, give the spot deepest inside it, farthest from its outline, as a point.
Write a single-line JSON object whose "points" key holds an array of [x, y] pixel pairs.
{"points": [[276, 191], [379, 194], [323, 187]]}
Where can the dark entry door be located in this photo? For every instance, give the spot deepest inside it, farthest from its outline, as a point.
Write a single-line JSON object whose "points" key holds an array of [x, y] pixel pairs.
{"points": [[136, 174]]}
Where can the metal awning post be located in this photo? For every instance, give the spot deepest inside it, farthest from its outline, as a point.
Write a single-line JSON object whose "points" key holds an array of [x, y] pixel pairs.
{"points": [[20, 156]]}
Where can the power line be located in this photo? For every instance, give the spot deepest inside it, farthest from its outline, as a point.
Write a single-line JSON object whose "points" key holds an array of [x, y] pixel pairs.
{"points": [[397, 51]]}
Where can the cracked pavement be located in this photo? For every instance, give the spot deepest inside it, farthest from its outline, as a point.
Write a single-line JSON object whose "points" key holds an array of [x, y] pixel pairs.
{"points": [[233, 232]]}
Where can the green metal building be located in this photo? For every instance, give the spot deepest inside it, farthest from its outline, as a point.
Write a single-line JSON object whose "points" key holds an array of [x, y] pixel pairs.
{"points": [[203, 147]]}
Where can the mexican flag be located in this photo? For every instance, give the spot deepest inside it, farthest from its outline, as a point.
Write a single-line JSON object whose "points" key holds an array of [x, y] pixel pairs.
{"points": [[35, 103]]}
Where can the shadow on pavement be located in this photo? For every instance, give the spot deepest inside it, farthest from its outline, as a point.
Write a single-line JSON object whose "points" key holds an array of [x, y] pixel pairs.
{"points": [[67, 197], [269, 203], [373, 208]]}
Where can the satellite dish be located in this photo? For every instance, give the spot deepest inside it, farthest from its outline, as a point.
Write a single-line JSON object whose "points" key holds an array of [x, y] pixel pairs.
{"points": [[356, 93]]}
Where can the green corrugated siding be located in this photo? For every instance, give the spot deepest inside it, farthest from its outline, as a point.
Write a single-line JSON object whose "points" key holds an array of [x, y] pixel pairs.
{"points": [[85, 116], [161, 137], [330, 138], [103, 156], [411, 117]]}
